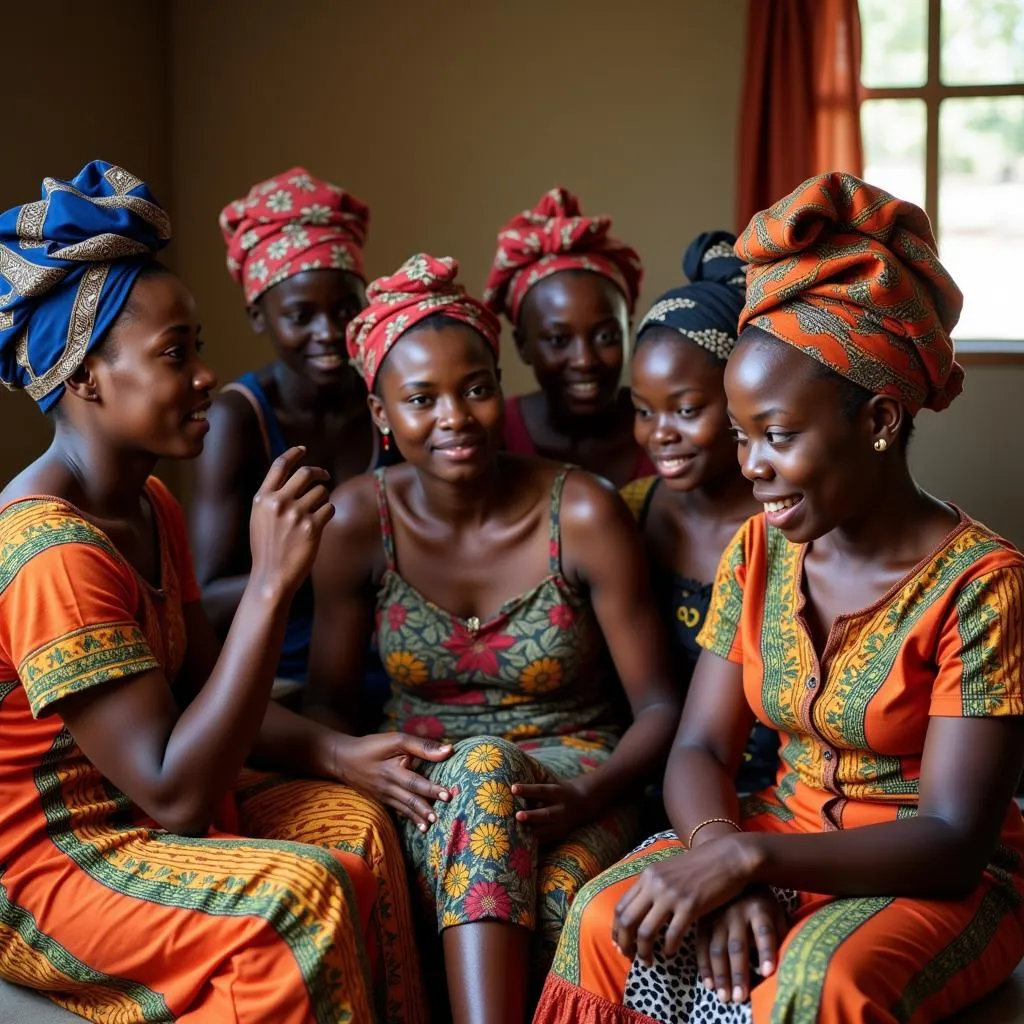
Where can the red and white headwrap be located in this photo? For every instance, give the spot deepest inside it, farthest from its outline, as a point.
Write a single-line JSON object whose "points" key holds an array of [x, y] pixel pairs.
{"points": [[289, 224], [423, 286], [551, 237]]}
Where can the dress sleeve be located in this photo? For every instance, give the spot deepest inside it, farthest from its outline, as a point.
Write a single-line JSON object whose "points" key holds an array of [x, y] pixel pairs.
{"points": [[981, 649], [67, 607], [720, 633]]}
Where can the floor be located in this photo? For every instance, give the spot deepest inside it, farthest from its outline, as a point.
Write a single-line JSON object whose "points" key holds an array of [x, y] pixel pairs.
{"points": [[1005, 1006]]}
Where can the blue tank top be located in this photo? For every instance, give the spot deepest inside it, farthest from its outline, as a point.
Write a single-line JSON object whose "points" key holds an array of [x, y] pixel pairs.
{"points": [[295, 650], [294, 663]]}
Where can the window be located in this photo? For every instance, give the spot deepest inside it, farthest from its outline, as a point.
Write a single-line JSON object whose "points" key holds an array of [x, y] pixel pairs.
{"points": [[943, 126]]}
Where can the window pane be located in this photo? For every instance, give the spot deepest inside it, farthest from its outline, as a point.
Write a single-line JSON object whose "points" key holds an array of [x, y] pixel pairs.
{"points": [[895, 42], [981, 210], [894, 132], [982, 42]]}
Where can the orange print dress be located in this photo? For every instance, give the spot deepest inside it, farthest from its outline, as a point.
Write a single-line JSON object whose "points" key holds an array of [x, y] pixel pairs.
{"points": [[291, 909], [947, 640]]}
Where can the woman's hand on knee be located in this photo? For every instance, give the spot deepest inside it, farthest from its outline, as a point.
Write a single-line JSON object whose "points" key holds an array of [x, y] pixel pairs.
{"points": [[724, 943], [676, 892], [379, 766], [557, 808]]}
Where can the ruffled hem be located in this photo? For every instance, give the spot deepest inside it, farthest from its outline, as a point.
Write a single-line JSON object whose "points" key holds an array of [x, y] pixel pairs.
{"points": [[562, 1002]]}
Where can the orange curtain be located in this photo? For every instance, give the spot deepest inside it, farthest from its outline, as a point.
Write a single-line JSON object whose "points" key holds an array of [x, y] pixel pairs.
{"points": [[801, 98]]}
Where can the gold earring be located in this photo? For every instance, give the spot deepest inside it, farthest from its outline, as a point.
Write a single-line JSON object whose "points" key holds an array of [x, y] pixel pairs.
{"points": [[881, 444]]}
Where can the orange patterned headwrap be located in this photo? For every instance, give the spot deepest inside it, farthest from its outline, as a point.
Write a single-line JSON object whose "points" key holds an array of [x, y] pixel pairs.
{"points": [[555, 236], [423, 286], [849, 275]]}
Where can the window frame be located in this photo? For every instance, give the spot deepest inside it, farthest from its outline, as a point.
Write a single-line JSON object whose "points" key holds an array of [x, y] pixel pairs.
{"points": [[933, 92]]}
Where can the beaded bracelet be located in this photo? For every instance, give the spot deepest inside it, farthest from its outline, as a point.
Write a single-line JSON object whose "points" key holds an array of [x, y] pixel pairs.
{"points": [[710, 821]]}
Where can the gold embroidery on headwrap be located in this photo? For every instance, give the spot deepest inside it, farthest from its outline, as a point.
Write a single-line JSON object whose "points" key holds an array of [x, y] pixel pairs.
{"points": [[121, 181], [149, 212], [83, 319], [21, 353], [106, 247], [26, 278], [21, 357], [30, 225]]}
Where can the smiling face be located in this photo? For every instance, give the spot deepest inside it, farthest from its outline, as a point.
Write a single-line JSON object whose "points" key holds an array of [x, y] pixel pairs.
{"points": [[305, 317], [810, 457], [681, 421], [572, 330], [438, 392], [146, 383]]}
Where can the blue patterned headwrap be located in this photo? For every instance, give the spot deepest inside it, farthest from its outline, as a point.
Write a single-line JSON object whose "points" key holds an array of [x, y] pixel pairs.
{"points": [[67, 264], [708, 309]]}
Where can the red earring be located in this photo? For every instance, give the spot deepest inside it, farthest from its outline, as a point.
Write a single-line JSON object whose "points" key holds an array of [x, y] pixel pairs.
{"points": [[386, 435]]}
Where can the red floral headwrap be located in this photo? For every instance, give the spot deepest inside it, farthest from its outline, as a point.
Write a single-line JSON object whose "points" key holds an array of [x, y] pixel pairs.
{"points": [[290, 224], [423, 286], [554, 236], [849, 275]]}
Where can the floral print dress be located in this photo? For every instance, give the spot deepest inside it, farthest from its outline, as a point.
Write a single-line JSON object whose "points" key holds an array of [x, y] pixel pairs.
{"points": [[527, 696]]}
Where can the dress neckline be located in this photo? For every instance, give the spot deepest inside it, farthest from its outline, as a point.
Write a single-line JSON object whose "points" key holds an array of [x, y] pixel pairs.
{"points": [[475, 624], [159, 590]]}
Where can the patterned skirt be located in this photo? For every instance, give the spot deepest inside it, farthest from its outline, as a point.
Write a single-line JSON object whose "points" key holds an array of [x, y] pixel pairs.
{"points": [[877, 960], [298, 914], [477, 862]]}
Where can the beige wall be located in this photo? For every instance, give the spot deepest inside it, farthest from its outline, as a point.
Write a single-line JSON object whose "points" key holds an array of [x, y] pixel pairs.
{"points": [[81, 83], [446, 119], [970, 453]]}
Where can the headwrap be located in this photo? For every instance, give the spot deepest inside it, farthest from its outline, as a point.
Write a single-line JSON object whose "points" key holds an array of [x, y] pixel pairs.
{"points": [[67, 264], [848, 274], [290, 224], [555, 236], [423, 286], [706, 310]]}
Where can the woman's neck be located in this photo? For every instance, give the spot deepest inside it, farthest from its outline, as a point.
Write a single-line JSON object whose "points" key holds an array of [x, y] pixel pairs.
{"points": [[727, 497], [464, 503], [889, 522], [602, 425], [301, 396], [102, 481]]}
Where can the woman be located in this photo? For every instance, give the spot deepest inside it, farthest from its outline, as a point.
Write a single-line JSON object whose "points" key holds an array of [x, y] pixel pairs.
{"points": [[495, 582], [692, 508], [569, 290], [879, 630], [139, 881], [295, 245]]}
